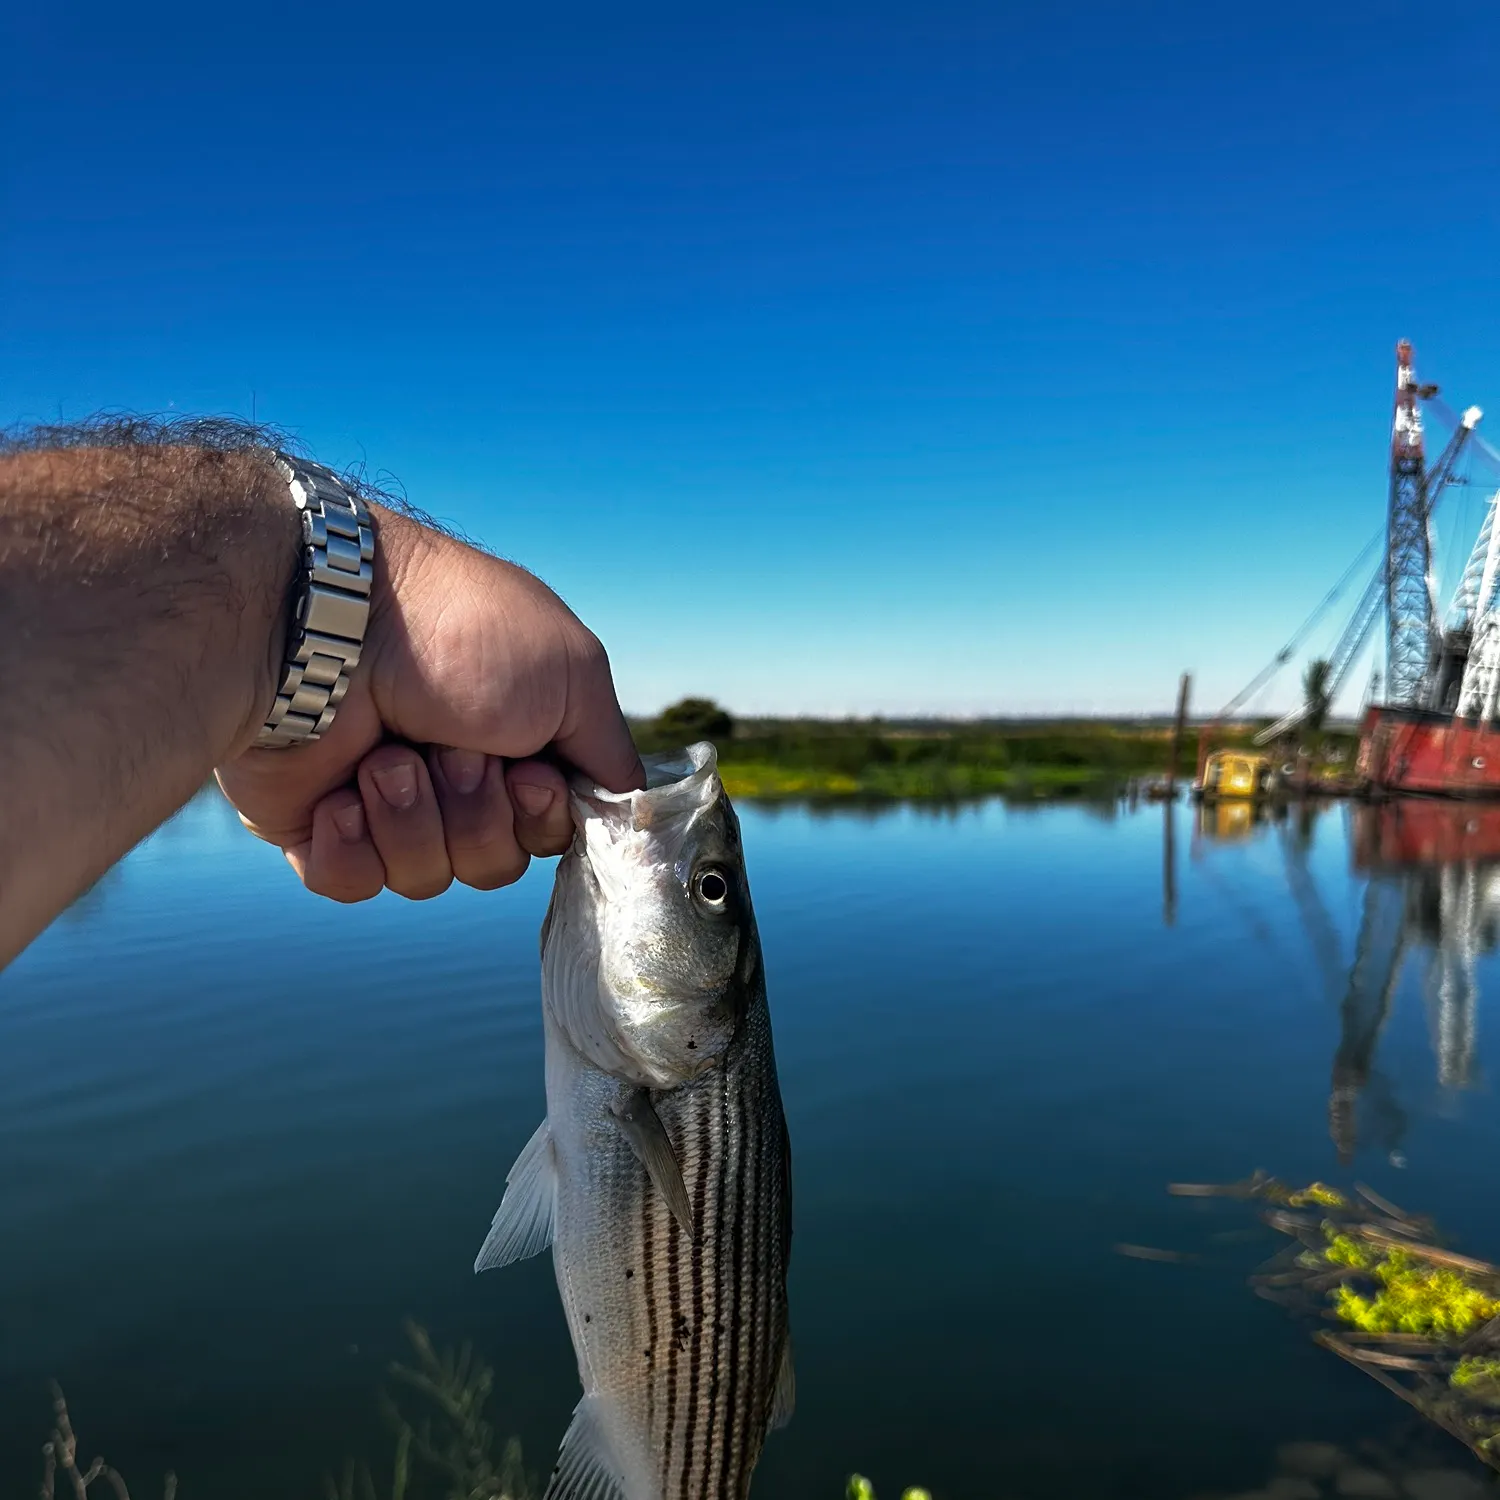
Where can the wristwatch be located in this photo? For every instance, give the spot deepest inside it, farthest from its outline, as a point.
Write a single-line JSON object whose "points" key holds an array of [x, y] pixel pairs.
{"points": [[332, 604]]}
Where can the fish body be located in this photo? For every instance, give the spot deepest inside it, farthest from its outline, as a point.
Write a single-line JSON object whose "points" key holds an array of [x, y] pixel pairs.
{"points": [[662, 1174]]}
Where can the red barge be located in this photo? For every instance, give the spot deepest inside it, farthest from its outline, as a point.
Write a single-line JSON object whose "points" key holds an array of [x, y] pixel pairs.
{"points": [[1410, 751]]}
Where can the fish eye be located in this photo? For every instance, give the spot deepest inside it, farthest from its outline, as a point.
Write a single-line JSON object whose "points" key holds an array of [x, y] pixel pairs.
{"points": [[711, 887]]}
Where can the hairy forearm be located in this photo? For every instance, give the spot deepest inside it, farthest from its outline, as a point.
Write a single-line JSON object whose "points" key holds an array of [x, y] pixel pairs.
{"points": [[142, 599]]}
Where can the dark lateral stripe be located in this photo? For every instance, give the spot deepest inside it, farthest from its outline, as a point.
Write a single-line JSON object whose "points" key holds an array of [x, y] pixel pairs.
{"points": [[705, 1232], [749, 1416], [674, 1241], [742, 1338], [652, 1352], [731, 1223], [770, 1283], [722, 1296]]}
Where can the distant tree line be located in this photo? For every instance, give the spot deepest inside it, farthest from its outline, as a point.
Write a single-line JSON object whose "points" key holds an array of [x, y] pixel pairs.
{"points": [[857, 747]]}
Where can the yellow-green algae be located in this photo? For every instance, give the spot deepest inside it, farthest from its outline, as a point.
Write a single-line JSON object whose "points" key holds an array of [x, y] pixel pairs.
{"points": [[1345, 1250], [1476, 1370], [1411, 1295], [860, 1488], [1319, 1195]]}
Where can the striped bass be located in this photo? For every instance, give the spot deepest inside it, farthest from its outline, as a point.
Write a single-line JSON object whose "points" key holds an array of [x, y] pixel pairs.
{"points": [[661, 1176]]}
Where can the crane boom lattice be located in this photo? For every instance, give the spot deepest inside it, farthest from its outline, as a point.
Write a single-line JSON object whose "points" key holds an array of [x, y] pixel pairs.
{"points": [[1408, 566]]}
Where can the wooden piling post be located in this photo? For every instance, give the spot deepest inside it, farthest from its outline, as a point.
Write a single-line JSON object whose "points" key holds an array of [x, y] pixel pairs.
{"points": [[1177, 728]]}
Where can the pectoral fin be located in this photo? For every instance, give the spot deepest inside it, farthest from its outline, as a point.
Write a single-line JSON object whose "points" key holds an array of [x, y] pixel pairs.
{"points": [[642, 1127], [523, 1222], [585, 1468]]}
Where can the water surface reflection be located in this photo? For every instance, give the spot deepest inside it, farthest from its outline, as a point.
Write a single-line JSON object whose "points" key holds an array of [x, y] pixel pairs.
{"points": [[220, 1197]]}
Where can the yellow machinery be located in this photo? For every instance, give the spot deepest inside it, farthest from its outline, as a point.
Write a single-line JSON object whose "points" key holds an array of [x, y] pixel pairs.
{"points": [[1235, 773]]}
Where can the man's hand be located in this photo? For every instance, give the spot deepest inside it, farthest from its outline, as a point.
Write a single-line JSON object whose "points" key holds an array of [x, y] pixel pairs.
{"points": [[144, 574], [471, 667]]}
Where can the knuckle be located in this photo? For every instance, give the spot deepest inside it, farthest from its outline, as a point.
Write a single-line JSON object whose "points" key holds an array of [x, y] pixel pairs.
{"points": [[592, 656], [420, 887], [343, 889], [488, 869]]}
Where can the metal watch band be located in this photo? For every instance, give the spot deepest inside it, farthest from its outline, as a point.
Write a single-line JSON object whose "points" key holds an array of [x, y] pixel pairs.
{"points": [[333, 604]]}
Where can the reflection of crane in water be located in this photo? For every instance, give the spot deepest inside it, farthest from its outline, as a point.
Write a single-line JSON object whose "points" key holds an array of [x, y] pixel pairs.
{"points": [[1236, 821], [1296, 844], [1431, 904], [1433, 896], [1367, 1003]]}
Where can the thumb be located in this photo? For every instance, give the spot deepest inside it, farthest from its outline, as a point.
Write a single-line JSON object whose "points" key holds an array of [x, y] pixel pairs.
{"points": [[594, 736]]}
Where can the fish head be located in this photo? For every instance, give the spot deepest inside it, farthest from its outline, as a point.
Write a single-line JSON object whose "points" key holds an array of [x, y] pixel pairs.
{"points": [[650, 950]]}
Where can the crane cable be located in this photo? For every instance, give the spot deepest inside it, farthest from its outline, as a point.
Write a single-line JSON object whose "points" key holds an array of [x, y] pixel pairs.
{"points": [[1300, 634], [1285, 654]]}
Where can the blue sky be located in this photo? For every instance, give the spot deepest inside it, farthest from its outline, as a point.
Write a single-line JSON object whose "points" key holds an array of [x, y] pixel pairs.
{"points": [[826, 358]]}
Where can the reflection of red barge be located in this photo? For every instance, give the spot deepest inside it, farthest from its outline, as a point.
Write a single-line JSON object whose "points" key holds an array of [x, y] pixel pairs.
{"points": [[1423, 832]]}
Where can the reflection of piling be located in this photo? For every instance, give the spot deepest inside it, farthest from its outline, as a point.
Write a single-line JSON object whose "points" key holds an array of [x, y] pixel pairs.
{"points": [[1177, 726], [1168, 864]]}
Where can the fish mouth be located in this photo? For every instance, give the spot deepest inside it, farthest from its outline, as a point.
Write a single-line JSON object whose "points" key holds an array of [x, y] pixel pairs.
{"points": [[677, 782]]}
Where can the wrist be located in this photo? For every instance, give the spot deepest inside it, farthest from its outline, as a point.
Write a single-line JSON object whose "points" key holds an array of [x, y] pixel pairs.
{"points": [[271, 539], [325, 634]]}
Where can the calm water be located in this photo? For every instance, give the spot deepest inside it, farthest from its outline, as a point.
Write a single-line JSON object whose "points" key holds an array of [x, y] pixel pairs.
{"points": [[226, 1178]]}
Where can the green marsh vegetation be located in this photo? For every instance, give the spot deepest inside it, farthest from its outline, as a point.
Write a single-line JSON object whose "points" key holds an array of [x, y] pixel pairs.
{"points": [[933, 759]]}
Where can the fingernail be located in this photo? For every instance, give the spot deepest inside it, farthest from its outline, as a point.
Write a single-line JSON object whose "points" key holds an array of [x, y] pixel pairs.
{"points": [[397, 784], [463, 768], [534, 800], [350, 822]]}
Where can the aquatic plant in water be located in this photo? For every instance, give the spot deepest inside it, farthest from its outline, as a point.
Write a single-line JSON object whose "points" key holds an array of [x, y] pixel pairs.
{"points": [[60, 1456], [458, 1447], [1420, 1319], [1479, 1376], [453, 1439], [860, 1488], [1317, 1194], [1411, 1297]]}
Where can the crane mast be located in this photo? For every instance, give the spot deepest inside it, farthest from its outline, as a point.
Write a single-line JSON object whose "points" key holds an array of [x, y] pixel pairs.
{"points": [[1408, 564], [1480, 683]]}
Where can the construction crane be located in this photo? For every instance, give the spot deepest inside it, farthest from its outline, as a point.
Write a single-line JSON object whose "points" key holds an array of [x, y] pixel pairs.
{"points": [[1469, 669], [1413, 635], [1409, 604]]}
